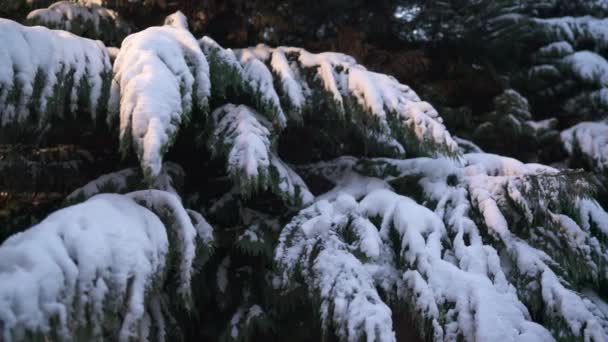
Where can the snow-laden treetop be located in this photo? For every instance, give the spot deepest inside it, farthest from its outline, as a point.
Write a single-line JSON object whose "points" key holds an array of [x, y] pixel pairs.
{"points": [[474, 247]]}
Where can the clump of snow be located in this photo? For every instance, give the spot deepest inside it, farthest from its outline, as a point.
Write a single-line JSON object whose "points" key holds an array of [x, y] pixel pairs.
{"points": [[588, 67], [476, 316], [577, 29], [288, 184], [491, 188], [261, 84], [177, 221], [81, 267], [290, 86], [588, 104], [589, 139], [242, 319], [313, 244], [178, 20], [593, 214], [113, 52], [573, 56], [467, 146], [36, 65], [161, 76], [350, 92], [204, 231], [555, 50], [222, 275], [243, 136], [87, 20]]}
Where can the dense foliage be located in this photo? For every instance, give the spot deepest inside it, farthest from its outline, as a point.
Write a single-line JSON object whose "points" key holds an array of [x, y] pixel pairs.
{"points": [[159, 185]]}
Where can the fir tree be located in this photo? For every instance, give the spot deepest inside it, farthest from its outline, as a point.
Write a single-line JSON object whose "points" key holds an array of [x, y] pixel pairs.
{"points": [[279, 193]]}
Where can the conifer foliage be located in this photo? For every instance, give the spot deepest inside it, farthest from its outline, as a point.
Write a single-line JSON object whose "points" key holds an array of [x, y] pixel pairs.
{"points": [[255, 238]]}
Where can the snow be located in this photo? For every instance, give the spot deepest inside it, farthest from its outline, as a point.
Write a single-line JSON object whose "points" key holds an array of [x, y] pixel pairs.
{"points": [[113, 52], [543, 125], [226, 72], [484, 311], [209, 46], [556, 50], [589, 139], [251, 234], [576, 29], [77, 18], [592, 213], [396, 110], [243, 316], [176, 218], [204, 231], [38, 52], [571, 306], [350, 303], [494, 165], [288, 184], [599, 302], [588, 67], [115, 182], [398, 115], [467, 146], [177, 19], [159, 75], [222, 274], [243, 135], [290, 85], [260, 81], [354, 185], [467, 254], [486, 194], [82, 265], [444, 258]]}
